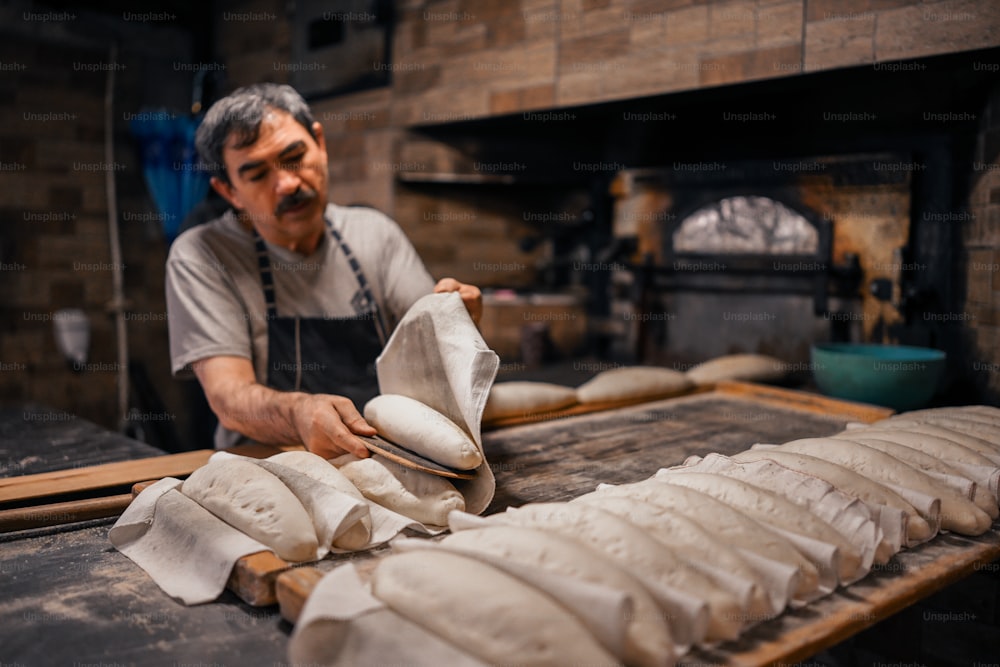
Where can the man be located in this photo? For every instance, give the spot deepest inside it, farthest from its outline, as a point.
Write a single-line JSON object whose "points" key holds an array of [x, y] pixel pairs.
{"points": [[281, 308]]}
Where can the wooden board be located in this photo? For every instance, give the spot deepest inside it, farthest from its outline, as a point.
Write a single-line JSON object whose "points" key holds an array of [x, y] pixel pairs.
{"points": [[99, 477], [253, 578], [770, 394], [51, 514], [586, 409], [911, 576], [805, 401]]}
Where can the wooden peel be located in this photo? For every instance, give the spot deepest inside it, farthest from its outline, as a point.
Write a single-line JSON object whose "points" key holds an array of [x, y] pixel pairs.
{"points": [[412, 460]]}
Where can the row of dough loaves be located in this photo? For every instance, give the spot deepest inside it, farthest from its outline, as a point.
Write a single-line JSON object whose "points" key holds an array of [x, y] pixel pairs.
{"points": [[525, 399], [283, 502], [700, 552]]}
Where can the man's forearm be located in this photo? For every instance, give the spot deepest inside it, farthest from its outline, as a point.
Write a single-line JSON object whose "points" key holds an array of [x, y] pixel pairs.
{"points": [[260, 413], [327, 425]]}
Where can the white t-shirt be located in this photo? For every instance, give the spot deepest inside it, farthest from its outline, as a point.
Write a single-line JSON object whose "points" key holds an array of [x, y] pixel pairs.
{"points": [[215, 302]]}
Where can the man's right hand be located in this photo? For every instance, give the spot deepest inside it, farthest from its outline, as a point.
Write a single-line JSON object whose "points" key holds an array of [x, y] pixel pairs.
{"points": [[324, 423]]}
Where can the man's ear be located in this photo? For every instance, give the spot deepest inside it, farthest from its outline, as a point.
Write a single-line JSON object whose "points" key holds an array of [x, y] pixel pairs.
{"points": [[317, 131], [226, 191]]}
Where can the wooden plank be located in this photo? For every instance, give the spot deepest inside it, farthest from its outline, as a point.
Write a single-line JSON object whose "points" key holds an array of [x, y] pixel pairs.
{"points": [[921, 572], [805, 401], [767, 394], [587, 408], [253, 578], [52, 514], [105, 476]]}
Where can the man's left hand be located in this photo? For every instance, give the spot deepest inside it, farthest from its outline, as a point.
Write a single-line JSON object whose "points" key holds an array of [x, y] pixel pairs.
{"points": [[471, 296]]}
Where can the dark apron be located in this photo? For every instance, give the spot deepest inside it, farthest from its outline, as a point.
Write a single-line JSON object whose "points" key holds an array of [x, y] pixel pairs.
{"points": [[323, 355]]}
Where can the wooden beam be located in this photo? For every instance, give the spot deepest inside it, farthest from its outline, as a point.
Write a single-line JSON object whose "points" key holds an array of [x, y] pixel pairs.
{"points": [[54, 514], [104, 476]]}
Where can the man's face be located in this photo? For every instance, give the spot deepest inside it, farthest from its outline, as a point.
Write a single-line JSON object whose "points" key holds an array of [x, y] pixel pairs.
{"points": [[280, 180]]}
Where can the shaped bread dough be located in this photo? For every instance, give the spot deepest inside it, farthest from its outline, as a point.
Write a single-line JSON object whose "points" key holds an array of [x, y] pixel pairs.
{"points": [[254, 501], [850, 482], [979, 421], [846, 514], [622, 384], [748, 367], [728, 524], [931, 464], [944, 447], [422, 429], [768, 507], [696, 546], [647, 638], [958, 514], [484, 611], [418, 495], [634, 550], [977, 444], [321, 470], [524, 399]]}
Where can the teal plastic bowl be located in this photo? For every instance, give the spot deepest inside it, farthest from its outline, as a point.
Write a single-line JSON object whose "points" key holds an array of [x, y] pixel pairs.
{"points": [[901, 377]]}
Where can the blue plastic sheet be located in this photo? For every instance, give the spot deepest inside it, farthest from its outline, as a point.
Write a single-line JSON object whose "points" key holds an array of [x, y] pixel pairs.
{"points": [[176, 179]]}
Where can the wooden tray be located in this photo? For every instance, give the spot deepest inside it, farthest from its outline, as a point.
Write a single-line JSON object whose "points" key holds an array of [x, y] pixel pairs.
{"points": [[769, 394], [587, 408]]}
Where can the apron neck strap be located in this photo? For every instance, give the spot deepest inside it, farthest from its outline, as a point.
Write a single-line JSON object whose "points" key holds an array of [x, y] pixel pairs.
{"points": [[267, 279]]}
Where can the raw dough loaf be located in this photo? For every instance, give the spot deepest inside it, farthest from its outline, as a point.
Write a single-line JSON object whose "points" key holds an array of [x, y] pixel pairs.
{"points": [[975, 437], [635, 551], [254, 501], [484, 611], [977, 420], [418, 495], [415, 426], [321, 470], [697, 547], [934, 465], [647, 637], [852, 483], [524, 399], [726, 523], [748, 367], [768, 507], [958, 514], [928, 440], [623, 384]]}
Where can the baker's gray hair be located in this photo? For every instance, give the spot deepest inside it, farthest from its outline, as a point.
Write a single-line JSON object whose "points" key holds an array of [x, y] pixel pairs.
{"points": [[240, 113]]}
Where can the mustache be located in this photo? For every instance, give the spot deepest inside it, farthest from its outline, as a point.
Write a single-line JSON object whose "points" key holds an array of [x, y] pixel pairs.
{"points": [[300, 196]]}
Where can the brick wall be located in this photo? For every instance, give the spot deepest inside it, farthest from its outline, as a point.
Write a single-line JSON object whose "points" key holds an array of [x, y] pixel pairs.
{"points": [[54, 239], [456, 60], [465, 59], [982, 255]]}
